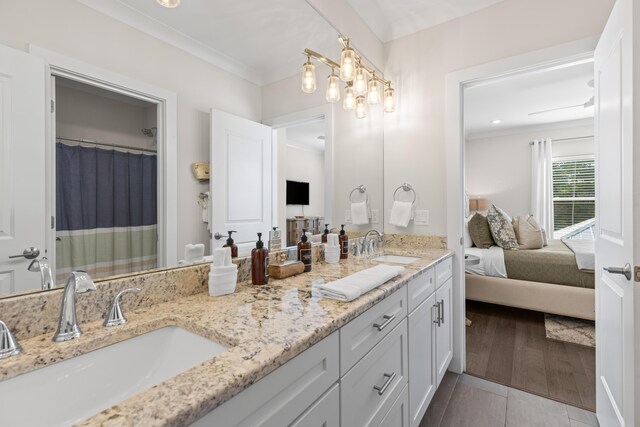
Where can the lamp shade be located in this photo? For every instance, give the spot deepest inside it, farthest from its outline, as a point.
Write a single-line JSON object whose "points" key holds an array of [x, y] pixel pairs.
{"points": [[308, 77], [373, 91], [361, 107], [360, 81], [333, 88], [476, 205], [349, 102], [389, 100], [347, 64]]}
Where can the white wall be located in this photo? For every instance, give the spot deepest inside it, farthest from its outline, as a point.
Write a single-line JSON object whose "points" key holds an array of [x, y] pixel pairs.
{"points": [[305, 166], [414, 136], [82, 115], [74, 30], [499, 168]]}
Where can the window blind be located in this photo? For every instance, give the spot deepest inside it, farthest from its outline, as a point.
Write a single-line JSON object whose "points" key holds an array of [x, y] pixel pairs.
{"points": [[573, 192]]}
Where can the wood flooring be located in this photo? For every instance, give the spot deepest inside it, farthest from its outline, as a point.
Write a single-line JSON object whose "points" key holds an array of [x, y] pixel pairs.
{"points": [[508, 346]]}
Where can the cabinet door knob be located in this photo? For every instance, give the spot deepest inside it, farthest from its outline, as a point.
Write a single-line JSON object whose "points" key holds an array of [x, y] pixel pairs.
{"points": [[389, 379], [387, 320]]}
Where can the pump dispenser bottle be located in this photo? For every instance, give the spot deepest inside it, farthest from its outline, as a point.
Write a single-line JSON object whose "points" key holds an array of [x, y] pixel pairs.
{"points": [[259, 263], [275, 239], [325, 234], [344, 244], [304, 251], [230, 244]]}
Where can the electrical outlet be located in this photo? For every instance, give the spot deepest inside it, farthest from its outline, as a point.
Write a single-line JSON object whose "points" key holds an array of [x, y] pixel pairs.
{"points": [[375, 216], [347, 216], [421, 217]]}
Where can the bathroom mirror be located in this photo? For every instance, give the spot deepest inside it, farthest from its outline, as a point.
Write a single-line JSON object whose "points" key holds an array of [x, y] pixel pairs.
{"points": [[104, 176]]}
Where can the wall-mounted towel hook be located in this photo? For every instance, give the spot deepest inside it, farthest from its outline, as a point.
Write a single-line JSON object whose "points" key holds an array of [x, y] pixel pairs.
{"points": [[406, 187], [362, 190]]}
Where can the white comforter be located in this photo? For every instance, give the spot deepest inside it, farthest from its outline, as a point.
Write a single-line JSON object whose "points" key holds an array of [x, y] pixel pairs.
{"points": [[585, 251], [491, 262]]}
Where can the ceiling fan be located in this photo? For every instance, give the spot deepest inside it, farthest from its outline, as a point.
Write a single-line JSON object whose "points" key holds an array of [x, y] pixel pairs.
{"points": [[587, 104]]}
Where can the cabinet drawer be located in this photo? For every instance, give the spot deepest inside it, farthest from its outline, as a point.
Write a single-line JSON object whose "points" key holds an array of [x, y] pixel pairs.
{"points": [[282, 396], [365, 331], [419, 288], [398, 415], [369, 390], [324, 413], [444, 270]]}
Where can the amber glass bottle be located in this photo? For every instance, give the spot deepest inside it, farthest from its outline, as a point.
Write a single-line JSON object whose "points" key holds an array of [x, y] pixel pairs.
{"points": [[259, 263], [325, 234], [233, 246], [304, 251], [344, 244]]}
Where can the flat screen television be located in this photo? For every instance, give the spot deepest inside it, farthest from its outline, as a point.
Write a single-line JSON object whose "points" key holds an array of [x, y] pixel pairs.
{"points": [[297, 193]]}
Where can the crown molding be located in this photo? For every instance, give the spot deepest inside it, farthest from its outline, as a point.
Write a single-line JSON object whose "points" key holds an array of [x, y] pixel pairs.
{"points": [[515, 130], [175, 38]]}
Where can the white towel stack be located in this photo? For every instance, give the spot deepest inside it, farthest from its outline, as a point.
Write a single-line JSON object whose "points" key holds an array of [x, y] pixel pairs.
{"points": [[359, 213], [351, 287], [401, 213], [332, 249], [224, 274], [192, 254]]}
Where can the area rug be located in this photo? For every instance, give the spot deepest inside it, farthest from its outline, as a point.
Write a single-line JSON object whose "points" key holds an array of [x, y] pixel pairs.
{"points": [[570, 329]]}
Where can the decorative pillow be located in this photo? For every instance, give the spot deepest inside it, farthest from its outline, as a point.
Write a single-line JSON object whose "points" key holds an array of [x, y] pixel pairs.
{"points": [[467, 237], [528, 232], [480, 232], [501, 228]]}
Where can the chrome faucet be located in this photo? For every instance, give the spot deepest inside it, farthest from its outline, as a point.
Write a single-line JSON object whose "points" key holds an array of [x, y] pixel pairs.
{"points": [[370, 246], [42, 266], [8, 344], [77, 283], [115, 316]]}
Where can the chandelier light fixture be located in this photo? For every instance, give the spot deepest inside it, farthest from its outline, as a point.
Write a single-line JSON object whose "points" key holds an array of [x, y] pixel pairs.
{"points": [[363, 85], [169, 3]]}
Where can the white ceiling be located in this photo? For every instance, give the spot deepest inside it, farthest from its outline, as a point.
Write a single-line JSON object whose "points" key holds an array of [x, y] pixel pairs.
{"points": [[305, 136], [262, 41], [512, 99], [390, 20]]}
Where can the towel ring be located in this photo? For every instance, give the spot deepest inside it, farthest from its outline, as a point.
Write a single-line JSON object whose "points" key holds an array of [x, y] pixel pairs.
{"points": [[405, 187], [362, 190]]}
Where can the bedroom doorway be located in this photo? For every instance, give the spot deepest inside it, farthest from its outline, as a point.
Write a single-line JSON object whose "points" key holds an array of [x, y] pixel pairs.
{"points": [[529, 238]]}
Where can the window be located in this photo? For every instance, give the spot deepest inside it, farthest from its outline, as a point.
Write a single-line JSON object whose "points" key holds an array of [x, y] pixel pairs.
{"points": [[573, 191]]}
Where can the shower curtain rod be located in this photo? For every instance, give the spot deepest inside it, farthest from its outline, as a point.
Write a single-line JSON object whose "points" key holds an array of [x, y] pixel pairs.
{"points": [[567, 139], [87, 141]]}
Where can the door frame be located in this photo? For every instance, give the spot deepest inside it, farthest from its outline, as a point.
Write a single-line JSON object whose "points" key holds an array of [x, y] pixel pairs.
{"points": [[539, 60], [59, 65], [323, 112]]}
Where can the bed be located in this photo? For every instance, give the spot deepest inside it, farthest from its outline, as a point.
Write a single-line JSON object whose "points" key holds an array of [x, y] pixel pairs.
{"points": [[547, 280]]}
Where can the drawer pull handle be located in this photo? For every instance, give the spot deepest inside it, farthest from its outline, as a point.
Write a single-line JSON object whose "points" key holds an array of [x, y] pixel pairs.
{"points": [[437, 306], [441, 312], [387, 383], [387, 319]]}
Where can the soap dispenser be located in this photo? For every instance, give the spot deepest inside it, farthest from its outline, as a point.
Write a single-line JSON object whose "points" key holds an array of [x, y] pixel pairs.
{"points": [[230, 244], [344, 244], [259, 263], [275, 239], [325, 234], [304, 251]]}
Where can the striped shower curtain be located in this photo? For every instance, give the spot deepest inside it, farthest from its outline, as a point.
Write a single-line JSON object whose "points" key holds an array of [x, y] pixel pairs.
{"points": [[106, 211]]}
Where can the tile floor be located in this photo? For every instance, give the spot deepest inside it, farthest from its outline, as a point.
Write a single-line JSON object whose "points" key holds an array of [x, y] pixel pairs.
{"points": [[464, 400]]}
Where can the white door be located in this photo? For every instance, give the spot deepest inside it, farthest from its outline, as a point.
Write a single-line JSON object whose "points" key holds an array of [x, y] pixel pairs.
{"points": [[616, 362], [240, 184], [23, 221]]}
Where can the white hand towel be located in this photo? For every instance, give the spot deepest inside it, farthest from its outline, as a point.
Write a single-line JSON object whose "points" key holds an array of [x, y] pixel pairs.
{"points": [[400, 213], [351, 287], [219, 255], [359, 213], [193, 253]]}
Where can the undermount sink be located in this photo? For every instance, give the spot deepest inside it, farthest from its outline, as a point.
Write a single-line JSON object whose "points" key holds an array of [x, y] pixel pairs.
{"points": [[396, 259], [72, 390]]}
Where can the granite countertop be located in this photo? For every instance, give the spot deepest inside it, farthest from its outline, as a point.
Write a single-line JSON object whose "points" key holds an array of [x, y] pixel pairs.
{"points": [[264, 327]]}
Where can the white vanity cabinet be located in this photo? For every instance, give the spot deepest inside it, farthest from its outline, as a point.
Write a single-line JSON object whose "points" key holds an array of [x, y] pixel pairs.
{"points": [[430, 335]]}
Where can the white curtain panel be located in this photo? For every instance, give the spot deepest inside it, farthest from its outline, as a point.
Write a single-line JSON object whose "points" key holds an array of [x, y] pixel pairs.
{"points": [[542, 185]]}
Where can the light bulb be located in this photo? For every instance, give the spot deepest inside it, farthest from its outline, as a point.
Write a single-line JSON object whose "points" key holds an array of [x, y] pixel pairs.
{"points": [[373, 95], [347, 64], [389, 100], [361, 107], [308, 77], [360, 81], [333, 88], [169, 3], [349, 102]]}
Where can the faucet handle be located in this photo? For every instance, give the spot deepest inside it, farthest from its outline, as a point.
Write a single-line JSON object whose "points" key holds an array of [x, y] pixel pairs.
{"points": [[115, 316], [8, 344]]}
